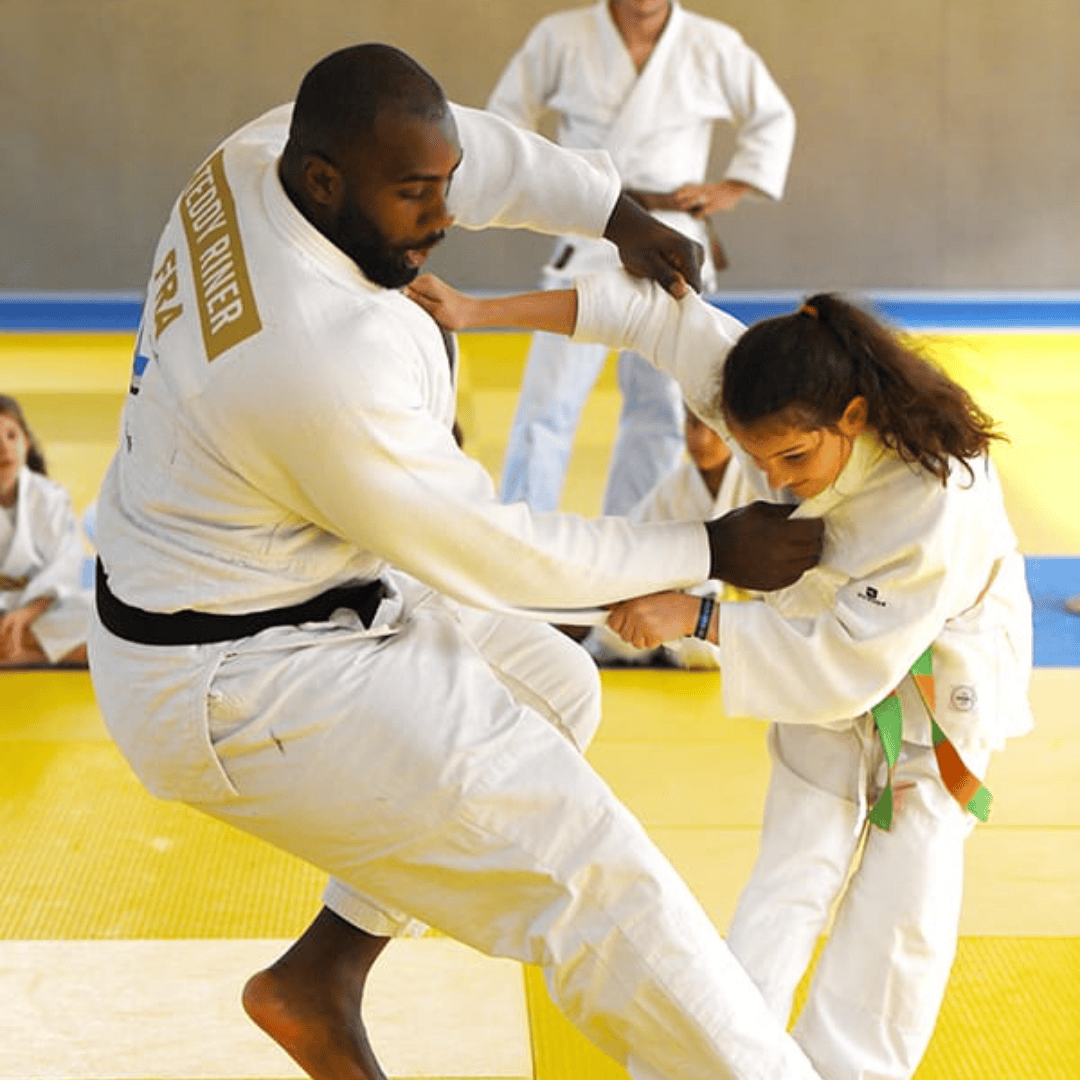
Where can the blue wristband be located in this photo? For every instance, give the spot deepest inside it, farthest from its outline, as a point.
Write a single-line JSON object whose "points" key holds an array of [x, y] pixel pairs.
{"points": [[704, 619]]}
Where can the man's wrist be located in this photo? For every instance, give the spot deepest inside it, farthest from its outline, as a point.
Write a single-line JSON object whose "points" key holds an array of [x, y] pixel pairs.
{"points": [[622, 214]]}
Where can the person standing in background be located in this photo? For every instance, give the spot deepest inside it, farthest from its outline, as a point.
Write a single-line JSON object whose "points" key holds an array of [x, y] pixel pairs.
{"points": [[644, 80]]}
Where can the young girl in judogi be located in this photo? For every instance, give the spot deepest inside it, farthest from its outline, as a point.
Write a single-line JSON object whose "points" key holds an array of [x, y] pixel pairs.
{"points": [[891, 672], [44, 611]]}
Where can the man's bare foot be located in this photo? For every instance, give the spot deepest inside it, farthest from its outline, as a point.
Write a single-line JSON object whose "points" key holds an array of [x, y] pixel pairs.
{"points": [[309, 1000]]}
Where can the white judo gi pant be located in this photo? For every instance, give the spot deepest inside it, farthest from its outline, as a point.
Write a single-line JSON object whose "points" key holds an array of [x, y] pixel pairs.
{"points": [[559, 376], [881, 977], [436, 774]]}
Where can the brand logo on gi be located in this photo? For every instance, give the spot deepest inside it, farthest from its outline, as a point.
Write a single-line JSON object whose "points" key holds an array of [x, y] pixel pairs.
{"points": [[962, 699], [871, 595]]}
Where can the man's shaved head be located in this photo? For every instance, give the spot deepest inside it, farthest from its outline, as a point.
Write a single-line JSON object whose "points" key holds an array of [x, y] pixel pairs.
{"points": [[341, 96]]}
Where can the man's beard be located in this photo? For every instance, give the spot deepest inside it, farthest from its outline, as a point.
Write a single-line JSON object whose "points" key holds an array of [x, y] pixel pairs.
{"points": [[382, 263]]}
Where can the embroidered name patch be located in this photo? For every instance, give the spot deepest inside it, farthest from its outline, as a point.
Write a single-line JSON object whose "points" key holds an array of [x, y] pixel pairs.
{"points": [[223, 293]]}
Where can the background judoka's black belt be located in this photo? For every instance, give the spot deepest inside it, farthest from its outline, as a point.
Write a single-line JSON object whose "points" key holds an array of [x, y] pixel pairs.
{"points": [[199, 627]]}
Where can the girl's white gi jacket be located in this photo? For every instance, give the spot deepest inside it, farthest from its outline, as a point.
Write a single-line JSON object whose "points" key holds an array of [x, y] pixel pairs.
{"points": [[288, 428], [908, 562]]}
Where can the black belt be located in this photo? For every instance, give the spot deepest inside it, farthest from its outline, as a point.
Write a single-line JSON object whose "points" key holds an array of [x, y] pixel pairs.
{"points": [[199, 627]]}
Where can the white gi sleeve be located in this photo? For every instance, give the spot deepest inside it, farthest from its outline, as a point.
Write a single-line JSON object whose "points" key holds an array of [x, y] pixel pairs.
{"points": [[59, 543], [527, 81], [688, 338], [515, 179], [764, 122], [508, 178], [369, 463]]}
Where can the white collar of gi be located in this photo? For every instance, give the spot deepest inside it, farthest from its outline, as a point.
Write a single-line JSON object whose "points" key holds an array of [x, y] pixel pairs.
{"points": [[867, 453], [302, 234]]}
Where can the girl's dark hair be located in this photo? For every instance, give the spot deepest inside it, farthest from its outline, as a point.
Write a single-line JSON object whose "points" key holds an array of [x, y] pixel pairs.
{"points": [[809, 365], [35, 459]]}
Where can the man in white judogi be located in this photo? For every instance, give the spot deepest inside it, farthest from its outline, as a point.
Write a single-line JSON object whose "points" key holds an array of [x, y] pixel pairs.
{"points": [[310, 601], [644, 80]]}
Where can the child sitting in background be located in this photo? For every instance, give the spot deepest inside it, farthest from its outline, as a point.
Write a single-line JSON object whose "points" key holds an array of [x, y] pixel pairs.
{"points": [[44, 611], [707, 483]]}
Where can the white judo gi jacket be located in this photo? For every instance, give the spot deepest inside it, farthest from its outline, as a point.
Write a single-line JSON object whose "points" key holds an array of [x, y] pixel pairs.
{"points": [[908, 562], [288, 431], [41, 557], [656, 124]]}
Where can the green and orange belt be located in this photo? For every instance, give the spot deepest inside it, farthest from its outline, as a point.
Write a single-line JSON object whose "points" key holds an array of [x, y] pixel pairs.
{"points": [[888, 716]]}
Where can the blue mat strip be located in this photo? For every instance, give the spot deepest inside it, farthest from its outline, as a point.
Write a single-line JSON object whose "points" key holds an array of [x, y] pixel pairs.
{"points": [[943, 313], [64, 313], [1052, 580], [59, 312]]}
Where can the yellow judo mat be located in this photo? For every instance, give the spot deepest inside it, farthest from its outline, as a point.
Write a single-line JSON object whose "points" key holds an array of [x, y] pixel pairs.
{"points": [[127, 925]]}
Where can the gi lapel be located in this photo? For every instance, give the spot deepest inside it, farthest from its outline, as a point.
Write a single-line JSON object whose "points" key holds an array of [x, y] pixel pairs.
{"points": [[643, 105]]}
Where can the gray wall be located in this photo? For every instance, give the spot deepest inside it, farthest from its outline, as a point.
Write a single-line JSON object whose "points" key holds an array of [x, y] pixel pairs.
{"points": [[938, 145]]}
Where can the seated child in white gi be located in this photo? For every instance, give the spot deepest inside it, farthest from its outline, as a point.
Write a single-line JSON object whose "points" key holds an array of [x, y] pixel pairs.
{"points": [[706, 483], [899, 664], [44, 611]]}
